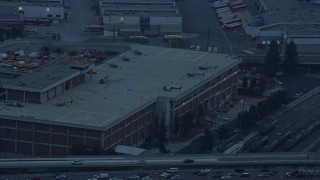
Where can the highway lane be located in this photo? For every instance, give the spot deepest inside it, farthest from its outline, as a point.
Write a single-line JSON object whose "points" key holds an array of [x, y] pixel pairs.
{"points": [[190, 173], [127, 161]]}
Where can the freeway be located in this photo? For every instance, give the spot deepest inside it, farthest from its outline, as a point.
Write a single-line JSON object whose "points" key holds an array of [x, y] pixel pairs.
{"points": [[158, 161], [192, 173]]}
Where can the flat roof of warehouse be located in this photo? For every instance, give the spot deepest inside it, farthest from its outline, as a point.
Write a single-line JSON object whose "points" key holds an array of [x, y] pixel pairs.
{"points": [[137, 1], [42, 78], [135, 10], [136, 82]]}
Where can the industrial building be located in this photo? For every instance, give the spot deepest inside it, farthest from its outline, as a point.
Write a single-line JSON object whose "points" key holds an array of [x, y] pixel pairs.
{"points": [[280, 20], [284, 21], [48, 11], [140, 17], [10, 18], [116, 105]]}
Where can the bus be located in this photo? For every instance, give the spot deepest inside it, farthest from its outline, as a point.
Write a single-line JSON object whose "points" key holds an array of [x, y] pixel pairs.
{"points": [[225, 14], [234, 149], [239, 7], [231, 20], [232, 25], [167, 38], [220, 6], [235, 3], [138, 39], [94, 28], [221, 10], [227, 17], [43, 22]]}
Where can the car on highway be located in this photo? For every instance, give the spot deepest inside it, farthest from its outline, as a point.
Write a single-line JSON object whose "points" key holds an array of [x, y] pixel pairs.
{"points": [[134, 177], [173, 170], [60, 176], [76, 162], [205, 170], [163, 174], [188, 161], [141, 162], [216, 176], [203, 174], [176, 177], [239, 170], [233, 174], [279, 83], [245, 174]]}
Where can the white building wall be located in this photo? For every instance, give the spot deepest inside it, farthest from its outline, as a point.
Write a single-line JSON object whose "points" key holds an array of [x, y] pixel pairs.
{"points": [[43, 12], [165, 20], [122, 19]]}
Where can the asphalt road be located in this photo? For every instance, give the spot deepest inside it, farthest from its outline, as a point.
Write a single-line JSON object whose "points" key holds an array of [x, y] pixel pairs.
{"points": [[154, 173], [80, 15], [200, 21]]}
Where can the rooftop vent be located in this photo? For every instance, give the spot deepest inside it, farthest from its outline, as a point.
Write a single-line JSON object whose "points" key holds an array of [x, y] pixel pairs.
{"points": [[112, 65], [205, 67], [194, 74], [169, 88], [103, 80], [137, 52], [124, 58]]}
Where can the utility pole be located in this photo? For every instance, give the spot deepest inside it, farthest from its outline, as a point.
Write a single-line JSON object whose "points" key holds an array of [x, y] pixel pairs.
{"points": [[208, 37], [113, 31]]}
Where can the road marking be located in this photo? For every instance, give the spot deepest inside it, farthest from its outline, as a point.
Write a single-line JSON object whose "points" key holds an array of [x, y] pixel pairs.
{"points": [[229, 44], [162, 52]]}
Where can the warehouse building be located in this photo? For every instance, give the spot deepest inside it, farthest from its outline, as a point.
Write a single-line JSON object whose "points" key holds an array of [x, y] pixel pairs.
{"points": [[118, 104], [47, 11], [141, 18], [10, 18]]}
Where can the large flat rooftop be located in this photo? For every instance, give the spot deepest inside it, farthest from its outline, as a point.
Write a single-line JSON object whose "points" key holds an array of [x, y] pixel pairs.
{"points": [[296, 23], [41, 78], [140, 10], [137, 2], [137, 81]]}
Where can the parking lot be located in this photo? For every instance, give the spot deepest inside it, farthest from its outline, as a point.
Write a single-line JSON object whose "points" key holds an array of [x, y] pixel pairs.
{"points": [[202, 28], [71, 29]]}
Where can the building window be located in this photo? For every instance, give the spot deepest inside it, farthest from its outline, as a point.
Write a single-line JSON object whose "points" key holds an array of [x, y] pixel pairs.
{"points": [[58, 15], [49, 15]]}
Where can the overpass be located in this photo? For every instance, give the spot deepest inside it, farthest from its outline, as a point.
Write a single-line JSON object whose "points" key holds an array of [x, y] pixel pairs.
{"points": [[164, 160]]}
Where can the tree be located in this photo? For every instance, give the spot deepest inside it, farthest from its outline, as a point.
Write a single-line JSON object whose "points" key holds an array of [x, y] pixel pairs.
{"points": [[162, 136], [162, 147], [207, 142], [96, 150], [244, 82], [222, 132], [187, 123], [264, 107], [200, 114], [253, 83], [162, 131], [176, 127], [291, 58], [262, 84], [272, 60]]}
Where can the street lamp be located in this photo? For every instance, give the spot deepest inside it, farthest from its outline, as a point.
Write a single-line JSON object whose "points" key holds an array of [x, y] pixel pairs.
{"points": [[242, 101], [48, 12], [20, 9]]}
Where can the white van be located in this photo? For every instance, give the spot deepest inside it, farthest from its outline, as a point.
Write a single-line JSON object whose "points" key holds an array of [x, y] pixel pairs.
{"points": [[173, 170]]}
